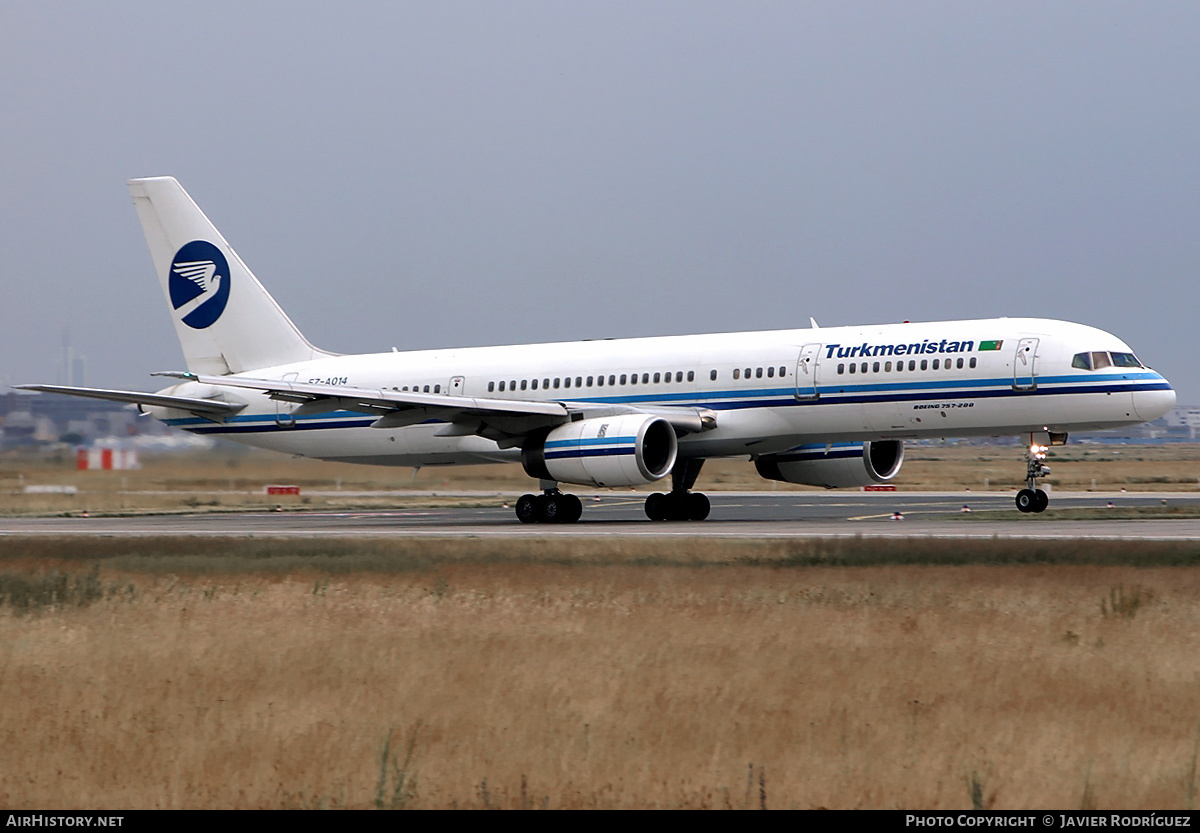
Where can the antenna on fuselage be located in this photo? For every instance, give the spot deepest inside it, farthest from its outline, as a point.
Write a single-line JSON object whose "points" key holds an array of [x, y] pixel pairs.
{"points": [[812, 322]]}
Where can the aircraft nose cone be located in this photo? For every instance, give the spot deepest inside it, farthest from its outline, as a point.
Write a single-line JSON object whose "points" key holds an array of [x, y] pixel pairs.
{"points": [[1151, 404]]}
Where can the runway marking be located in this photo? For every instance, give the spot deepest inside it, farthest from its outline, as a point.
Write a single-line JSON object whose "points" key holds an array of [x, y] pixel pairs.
{"points": [[905, 513]]}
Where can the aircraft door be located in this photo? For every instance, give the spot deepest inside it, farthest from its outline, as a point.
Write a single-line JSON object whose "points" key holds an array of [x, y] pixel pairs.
{"points": [[1025, 365], [283, 410], [455, 388], [806, 372]]}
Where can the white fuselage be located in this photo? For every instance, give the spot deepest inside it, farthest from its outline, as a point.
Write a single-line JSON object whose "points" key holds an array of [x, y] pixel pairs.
{"points": [[770, 391]]}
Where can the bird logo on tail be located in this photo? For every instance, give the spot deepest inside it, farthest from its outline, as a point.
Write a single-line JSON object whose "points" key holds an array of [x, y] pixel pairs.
{"points": [[199, 283]]}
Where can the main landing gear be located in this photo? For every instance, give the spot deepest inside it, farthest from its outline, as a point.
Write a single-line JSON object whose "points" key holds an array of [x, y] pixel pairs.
{"points": [[679, 504], [550, 507], [1031, 498]]}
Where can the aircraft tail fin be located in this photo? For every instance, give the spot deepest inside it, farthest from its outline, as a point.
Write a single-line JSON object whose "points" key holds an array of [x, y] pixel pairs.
{"points": [[225, 320]]}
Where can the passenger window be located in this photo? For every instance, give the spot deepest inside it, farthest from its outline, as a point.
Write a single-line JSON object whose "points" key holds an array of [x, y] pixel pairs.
{"points": [[747, 371], [599, 381], [912, 364], [841, 369], [566, 382], [875, 367], [612, 380], [863, 367], [924, 364], [523, 382], [737, 373], [853, 367], [535, 384], [492, 386], [1100, 361], [579, 381], [545, 384], [972, 361], [590, 381], [771, 372], [937, 364], [657, 378], [633, 378], [782, 371], [887, 367], [427, 389], [623, 377], [556, 383], [712, 375], [512, 385], [679, 375], [758, 373], [960, 364], [645, 378]]}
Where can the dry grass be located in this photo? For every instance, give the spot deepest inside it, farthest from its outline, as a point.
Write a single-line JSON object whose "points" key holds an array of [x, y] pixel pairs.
{"points": [[626, 677], [233, 481]]}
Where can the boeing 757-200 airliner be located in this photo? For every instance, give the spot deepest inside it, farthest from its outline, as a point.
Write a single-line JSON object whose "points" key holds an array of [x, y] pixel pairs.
{"points": [[821, 406]]}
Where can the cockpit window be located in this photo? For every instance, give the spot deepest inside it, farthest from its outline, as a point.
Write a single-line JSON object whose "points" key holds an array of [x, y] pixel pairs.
{"points": [[1098, 360], [1125, 360]]}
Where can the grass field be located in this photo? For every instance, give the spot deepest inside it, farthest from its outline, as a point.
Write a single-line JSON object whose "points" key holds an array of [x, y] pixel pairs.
{"points": [[216, 673], [389, 674]]}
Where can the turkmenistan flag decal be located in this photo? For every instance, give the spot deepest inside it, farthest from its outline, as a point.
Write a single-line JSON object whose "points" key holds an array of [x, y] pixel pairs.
{"points": [[990, 345]]}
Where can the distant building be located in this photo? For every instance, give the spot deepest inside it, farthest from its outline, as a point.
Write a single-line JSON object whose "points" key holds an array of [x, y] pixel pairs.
{"points": [[27, 419], [1184, 419]]}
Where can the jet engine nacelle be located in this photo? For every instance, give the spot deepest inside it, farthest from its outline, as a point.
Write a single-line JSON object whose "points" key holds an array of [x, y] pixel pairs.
{"points": [[626, 450], [843, 465]]}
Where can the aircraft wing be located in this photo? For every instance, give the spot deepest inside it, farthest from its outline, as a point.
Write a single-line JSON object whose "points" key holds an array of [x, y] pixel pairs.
{"points": [[207, 408], [498, 419]]}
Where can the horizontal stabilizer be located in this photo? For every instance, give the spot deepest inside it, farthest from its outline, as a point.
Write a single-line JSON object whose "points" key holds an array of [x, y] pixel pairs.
{"points": [[206, 407]]}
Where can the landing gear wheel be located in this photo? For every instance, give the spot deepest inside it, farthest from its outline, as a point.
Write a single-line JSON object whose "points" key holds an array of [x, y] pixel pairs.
{"points": [[552, 508], [656, 507], [677, 507], [527, 509], [1027, 499], [572, 509], [697, 506], [549, 508], [1040, 501]]}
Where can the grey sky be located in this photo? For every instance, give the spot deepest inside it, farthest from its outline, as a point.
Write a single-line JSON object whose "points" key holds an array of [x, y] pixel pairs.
{"points": [[440, 174]]}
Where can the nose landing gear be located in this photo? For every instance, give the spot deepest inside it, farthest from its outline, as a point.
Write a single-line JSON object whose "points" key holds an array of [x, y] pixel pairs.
{"points": [[1031, 498]]}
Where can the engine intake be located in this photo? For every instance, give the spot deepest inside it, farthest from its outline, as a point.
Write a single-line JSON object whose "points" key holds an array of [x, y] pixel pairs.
{"points": [[840, 466], [626, 450]]}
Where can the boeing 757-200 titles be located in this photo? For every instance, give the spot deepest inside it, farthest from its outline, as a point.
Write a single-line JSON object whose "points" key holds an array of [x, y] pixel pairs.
{"points": [[821, 406]]}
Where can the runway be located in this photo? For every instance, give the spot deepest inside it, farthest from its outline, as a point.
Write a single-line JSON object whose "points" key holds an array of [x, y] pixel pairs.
{"points": [[746, 515]]}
